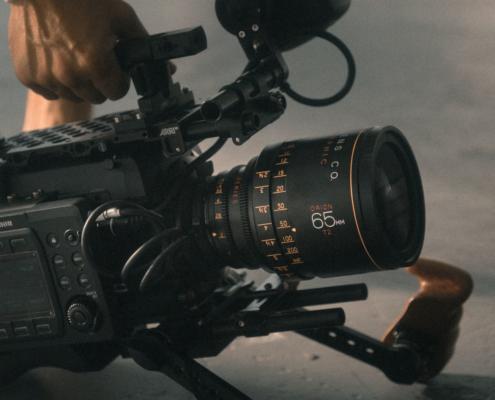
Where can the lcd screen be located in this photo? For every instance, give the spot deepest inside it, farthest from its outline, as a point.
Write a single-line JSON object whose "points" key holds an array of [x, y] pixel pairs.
{"points": [[23, 288]]}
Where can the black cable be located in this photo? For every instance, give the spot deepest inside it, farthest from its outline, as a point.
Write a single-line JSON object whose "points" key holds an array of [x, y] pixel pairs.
{"points": [[149, 214], [137, 257], [351, 76], [214, 149], [90, 225], [133, 209], [189, 170], [158, 262]]}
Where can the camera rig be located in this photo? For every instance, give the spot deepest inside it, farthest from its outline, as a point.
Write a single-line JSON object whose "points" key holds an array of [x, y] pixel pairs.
{"points": [[79, 197]]}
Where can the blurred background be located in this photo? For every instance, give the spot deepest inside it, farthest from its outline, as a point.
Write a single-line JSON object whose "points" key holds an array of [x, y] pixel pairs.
{"points": [[426, 67]]}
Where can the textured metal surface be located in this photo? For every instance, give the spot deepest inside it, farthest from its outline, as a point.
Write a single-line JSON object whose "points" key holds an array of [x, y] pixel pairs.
{"points": [[427, 67]]}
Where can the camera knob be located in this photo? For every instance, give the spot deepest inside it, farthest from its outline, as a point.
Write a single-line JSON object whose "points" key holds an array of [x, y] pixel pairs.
{"points": [[83, 315]]}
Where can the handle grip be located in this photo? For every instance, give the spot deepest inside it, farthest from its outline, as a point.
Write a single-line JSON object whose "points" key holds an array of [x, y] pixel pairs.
{"points": [[147, 61], [430, 321], [161, 47]]}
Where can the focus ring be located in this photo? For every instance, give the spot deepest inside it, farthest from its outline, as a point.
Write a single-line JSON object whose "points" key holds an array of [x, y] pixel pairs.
{"points": [[253, 254]]}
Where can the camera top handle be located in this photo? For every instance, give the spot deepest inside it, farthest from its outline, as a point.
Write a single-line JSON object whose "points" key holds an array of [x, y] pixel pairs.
{"points": [[240, 110], [147, 61]]}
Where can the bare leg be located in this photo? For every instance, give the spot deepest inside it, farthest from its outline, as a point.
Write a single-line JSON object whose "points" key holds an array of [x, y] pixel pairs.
{"points": [[42, 113]]}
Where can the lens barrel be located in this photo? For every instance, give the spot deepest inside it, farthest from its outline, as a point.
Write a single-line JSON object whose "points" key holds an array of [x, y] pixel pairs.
{"points": [[333, 206]]}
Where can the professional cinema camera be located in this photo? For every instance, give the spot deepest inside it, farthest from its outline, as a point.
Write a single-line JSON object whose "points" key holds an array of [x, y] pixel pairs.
{"points": [[116, 239]]}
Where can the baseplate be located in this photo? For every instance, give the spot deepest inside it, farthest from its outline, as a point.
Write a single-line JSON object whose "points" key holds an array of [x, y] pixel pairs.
{"points": [[77, 139]]}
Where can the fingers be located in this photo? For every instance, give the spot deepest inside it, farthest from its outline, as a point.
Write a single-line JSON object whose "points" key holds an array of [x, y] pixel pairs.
{"points": [[126, 24], [89, 93], [109, 79], [47, 94], [443, 281], [83, 65], [105, 79], [65, 93], [431, 318]]}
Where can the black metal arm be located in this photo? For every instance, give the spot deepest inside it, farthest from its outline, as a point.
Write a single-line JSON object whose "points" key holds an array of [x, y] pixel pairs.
{"points": [[400, 363], [245, 311], [153, 353]]}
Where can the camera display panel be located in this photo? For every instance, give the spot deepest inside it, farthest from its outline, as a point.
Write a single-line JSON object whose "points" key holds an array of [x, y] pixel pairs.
{"points": [[23, 287]]}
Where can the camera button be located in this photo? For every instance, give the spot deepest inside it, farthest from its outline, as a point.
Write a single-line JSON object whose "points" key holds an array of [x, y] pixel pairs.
{"points": [[21, 331], [64, 283], [52, 240], [78, 259], [4, 334], [59, 261], [19, 245], [84, 281], [5, 331], [71, 237], [4, 248], [43, 329]]}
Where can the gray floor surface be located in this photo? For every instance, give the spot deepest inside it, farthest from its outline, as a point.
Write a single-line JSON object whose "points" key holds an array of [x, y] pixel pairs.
{"points": [[426, 67]]}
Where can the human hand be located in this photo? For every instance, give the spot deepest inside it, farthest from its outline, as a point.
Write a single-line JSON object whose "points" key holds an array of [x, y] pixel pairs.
{"points": [[65, 48], [432, 317]]}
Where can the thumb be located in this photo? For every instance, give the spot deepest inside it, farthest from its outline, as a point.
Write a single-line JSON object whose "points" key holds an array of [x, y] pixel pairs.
{"points": [[126, 24]]}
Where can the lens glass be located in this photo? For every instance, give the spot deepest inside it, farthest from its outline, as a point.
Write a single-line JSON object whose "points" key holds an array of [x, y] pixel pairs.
{"points": [[392, 196]]}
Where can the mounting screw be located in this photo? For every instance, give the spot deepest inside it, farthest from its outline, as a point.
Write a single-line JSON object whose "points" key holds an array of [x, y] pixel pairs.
{"points": [[102, 147], [242, 34], [37, 194], [241, 324], [109, 164], [255, 28], [177, 149]]}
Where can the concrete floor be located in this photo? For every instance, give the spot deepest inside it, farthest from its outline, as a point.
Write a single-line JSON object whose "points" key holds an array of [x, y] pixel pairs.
{"points": [[426, 67]]}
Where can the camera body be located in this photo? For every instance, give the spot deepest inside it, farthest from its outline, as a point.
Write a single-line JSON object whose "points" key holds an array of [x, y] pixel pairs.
{"points": [[51, 294], [48, 294], [56, 308]]}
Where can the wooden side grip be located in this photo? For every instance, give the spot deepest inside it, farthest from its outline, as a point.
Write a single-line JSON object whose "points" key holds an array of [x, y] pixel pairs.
{"points": [[431, 318]]}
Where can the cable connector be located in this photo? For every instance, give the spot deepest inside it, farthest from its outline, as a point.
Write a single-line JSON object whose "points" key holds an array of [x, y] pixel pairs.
{"points": [[110, 214]]}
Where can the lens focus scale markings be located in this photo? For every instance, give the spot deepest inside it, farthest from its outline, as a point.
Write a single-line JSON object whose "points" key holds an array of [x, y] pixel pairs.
{"points": [[285, 230], [262, 211], [218, 218]]}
